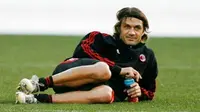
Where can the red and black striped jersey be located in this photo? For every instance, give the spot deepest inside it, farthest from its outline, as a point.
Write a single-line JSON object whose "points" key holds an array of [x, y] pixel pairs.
{"points": [[117, 54]]}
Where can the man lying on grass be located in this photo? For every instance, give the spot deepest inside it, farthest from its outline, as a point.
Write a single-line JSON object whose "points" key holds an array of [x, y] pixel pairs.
{"points": [[100, 64]]}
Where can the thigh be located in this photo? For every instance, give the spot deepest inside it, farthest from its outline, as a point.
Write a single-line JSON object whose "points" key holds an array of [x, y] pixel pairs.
{"points": [[73, 62], [99, 94], [70, 63]]}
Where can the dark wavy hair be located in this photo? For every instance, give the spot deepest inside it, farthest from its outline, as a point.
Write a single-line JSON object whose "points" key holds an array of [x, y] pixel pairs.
{"points": [[131, 12]]}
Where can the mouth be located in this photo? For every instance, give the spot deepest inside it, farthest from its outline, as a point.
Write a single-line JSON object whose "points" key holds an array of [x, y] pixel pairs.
{"points": [[131, 38]]}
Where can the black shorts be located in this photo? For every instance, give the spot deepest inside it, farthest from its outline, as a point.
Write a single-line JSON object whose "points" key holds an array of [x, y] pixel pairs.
{"points": [[117, 84], [70, 63]]}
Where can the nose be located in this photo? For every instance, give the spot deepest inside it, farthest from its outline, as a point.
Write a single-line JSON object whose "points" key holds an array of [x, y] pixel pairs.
{"points": [[132, 31]]}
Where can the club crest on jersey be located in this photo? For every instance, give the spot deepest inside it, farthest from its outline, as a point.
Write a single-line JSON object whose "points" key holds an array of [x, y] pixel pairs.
{"points": [[142, 58]]}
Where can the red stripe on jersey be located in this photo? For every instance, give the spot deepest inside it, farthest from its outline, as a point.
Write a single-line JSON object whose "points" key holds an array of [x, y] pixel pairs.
{"points": [[87, 49]]}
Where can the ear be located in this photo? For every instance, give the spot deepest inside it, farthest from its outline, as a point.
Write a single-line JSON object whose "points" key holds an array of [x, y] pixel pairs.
{"points": [[143, 33], [144, 37]]}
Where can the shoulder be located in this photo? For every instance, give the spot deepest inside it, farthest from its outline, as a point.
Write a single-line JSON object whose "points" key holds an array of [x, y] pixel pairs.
{"points": [[149, 50], [150, 53], [100, 37], [99, 34]]}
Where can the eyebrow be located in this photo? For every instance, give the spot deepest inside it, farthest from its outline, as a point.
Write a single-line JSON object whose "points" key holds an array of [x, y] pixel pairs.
{"points": [[137, 25]]}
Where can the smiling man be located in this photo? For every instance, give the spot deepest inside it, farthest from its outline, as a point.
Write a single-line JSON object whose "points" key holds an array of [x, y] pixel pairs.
{"points": [[126, 48], [124, 53]]}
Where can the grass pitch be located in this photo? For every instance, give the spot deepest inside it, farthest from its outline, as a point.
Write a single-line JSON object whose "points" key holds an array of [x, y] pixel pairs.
{"points": [[178, 83]]}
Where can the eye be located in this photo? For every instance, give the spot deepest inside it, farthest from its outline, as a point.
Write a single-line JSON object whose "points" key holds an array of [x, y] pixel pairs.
{"points": [[138, 27], [127, 26]]}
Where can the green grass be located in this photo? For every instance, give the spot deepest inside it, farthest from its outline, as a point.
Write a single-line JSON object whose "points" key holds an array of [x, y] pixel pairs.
{"points": [[178, 83]]}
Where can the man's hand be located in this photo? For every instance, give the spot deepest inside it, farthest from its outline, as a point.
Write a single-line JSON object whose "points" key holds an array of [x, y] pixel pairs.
{"points": [[134, 90], [129, 72]]}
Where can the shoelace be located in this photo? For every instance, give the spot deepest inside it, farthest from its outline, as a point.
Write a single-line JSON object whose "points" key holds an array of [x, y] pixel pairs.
{"points": [[22, 87], [35, 81], [30, 99]]}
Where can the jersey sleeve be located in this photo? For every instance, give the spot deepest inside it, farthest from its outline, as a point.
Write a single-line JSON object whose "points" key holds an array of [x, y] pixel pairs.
{"points": [[148, 84], [92, 46]]}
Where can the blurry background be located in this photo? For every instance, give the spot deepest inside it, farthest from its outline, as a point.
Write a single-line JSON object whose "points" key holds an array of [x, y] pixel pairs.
{"points": [[77, 17], [27, 54]]}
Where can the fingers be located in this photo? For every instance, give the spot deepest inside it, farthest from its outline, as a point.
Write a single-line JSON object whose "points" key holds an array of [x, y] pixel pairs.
{"points": [[130, 72], [137, 76], [134, 91]]}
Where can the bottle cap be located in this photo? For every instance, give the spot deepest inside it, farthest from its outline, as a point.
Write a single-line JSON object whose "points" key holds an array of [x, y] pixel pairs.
{"points": [[128, 82]]}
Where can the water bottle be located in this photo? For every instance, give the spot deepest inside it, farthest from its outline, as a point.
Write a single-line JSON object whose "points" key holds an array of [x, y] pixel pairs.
{"points": [[128, 83]]}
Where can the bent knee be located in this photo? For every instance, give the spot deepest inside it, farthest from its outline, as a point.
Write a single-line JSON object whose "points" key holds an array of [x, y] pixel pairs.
{"points": [[104, 94], [102, 71], [108, 96]]}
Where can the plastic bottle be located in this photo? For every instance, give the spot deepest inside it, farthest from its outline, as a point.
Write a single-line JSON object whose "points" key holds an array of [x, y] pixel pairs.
{"points": [[128, 83]]}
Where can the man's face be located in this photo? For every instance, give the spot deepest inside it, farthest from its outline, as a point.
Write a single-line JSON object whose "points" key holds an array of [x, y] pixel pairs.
{"points": [[131, 30]]}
